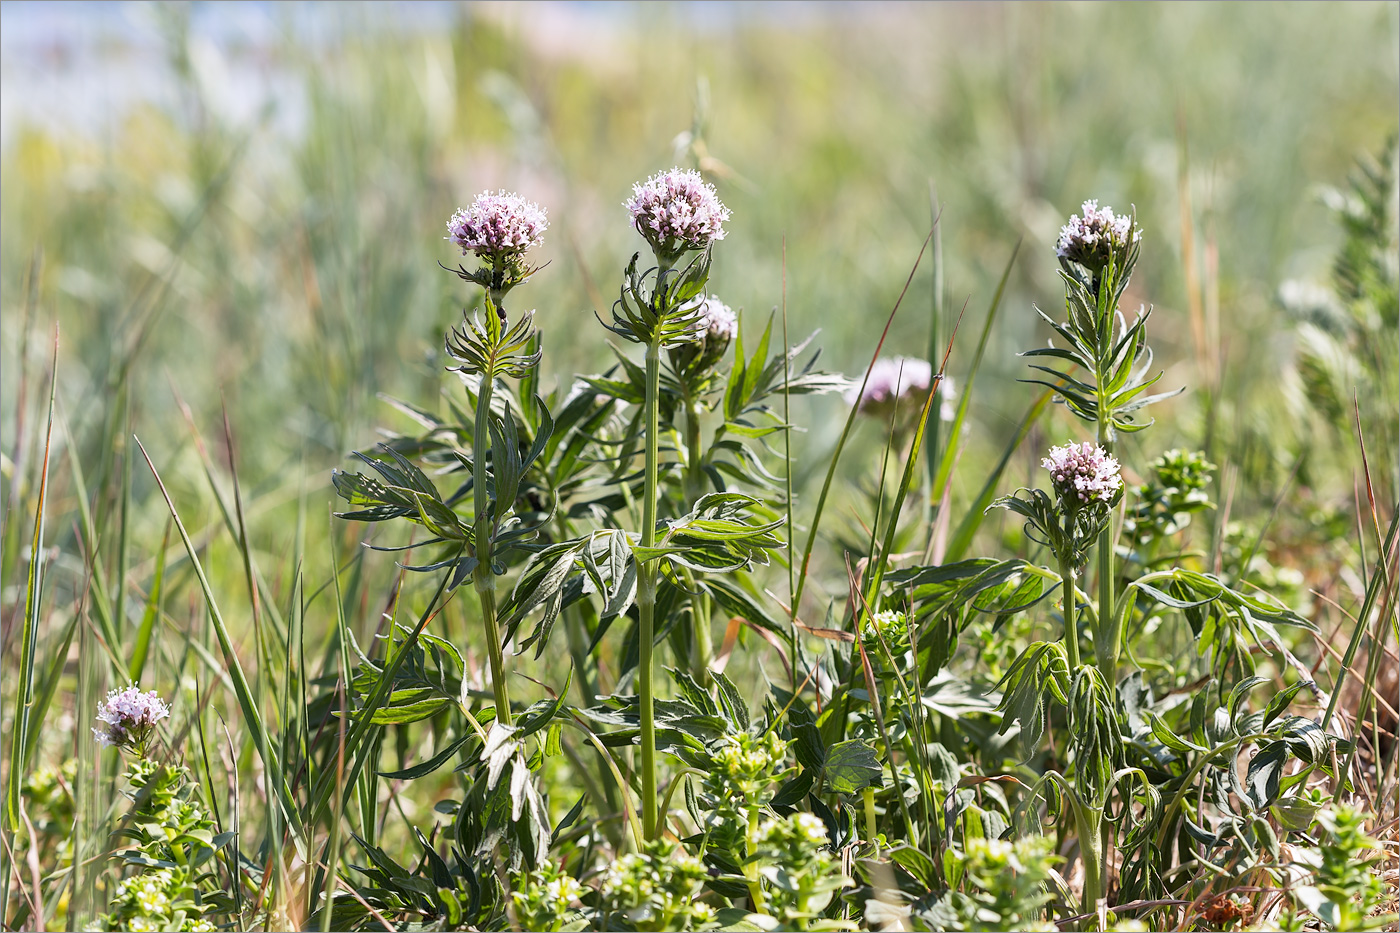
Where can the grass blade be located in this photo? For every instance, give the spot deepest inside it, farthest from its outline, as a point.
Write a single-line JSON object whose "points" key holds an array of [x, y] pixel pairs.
{"points": [[24, 696], [972, 520], [845, 433], [950, 453], [246, 702]]}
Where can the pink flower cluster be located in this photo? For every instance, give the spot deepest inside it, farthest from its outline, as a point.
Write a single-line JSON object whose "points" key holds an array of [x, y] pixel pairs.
{"points": [[1083, 471], [715, 319], [499, 225], [677, 210], [1088, 240], [127, 717], [891, 378]]}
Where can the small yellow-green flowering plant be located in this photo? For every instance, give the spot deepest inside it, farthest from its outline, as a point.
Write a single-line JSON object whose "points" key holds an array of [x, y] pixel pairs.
{"points": [[175, 840]]}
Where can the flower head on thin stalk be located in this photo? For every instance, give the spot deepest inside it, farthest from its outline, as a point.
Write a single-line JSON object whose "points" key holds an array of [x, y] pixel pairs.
{"points": [[498, 229], [1083, 473], [677, 211], [127, 719], [1095, 238]]}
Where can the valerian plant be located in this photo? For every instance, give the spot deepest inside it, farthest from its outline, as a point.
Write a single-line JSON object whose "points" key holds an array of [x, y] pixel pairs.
{"points": [[875, 785], [172, 838]]}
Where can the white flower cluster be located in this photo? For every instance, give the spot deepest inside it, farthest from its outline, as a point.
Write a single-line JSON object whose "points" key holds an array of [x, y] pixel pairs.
{"points": [[145, 906], [889, 620], [802, 826], [715, 319], [676, 211], [127, 717], [1090, 239], [1083, 472], [500, 225]]}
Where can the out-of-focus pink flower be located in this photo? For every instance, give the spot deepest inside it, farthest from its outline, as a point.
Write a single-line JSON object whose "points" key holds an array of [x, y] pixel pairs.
{"points": [[890, 378], [715, 319]]}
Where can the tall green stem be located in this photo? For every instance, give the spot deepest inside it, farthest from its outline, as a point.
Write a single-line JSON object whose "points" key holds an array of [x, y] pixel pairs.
{"points": [[1107, 637], [751, 868], [483, 578], [1071, 625], [1091, 854], [646, 593], [702, 647]]}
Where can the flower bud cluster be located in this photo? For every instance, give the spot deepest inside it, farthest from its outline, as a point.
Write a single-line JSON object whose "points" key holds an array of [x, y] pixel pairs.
{"points": [[1082, 473], [715, 326], [1092, 240], [164, 899], [127, 718], [801, 871], [546, 901], [744, 768], [888, 629], [657, 888]]}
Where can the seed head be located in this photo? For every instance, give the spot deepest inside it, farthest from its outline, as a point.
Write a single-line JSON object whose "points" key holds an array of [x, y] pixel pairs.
{"points": [[1092, 239], [677, 211], [498, 226], [1083, 473]]}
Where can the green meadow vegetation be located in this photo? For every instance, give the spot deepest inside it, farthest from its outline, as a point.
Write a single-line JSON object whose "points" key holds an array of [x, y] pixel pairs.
{"points": [[800, 508]]}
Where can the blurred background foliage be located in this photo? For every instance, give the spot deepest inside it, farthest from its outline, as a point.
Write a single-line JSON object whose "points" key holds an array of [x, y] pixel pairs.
{"points": [[244, 207]]}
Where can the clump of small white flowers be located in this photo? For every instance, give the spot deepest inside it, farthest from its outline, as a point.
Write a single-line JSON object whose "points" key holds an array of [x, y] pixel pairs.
{"points": [[888, 629], [127, 718], [713, 326], [801, 871], [158, 900], [890, 620], [714, 318], [546, 900], [1091, 240], [1083, 473], [498, 226], [677, 211], [657, 888]]}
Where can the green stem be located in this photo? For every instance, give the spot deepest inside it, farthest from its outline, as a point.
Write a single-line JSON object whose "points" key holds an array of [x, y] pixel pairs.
{"points": [[1108, 637], [751, 867], [1091, 853], [702, 648], [1071, 625], [646, 594], [871, 836], [483, 578]]}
